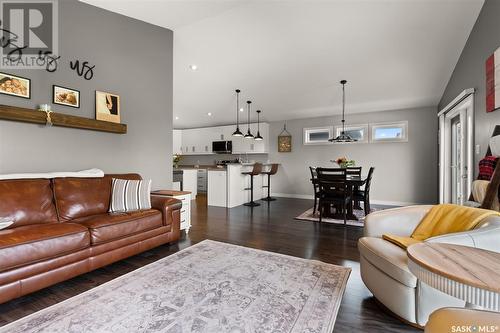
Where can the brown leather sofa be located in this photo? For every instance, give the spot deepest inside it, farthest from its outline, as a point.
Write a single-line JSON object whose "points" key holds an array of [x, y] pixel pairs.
{"points": [[62, 229]]}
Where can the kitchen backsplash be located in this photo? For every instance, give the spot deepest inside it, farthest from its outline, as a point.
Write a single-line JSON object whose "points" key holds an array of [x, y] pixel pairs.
{"points": [[210, 159]]}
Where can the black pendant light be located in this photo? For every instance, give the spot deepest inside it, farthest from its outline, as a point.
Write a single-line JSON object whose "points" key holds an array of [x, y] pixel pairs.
{"points": [[237, 132], [249, 134], [343, 138], [258, 137]]}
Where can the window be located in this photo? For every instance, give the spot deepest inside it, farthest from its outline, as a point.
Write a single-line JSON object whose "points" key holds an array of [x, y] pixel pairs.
{"points": [[358, 132], [389, 132], [317, 135]]}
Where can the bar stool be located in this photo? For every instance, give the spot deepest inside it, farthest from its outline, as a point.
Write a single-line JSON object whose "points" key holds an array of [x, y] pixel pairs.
{"points": [[256, 170], [272, 171]]}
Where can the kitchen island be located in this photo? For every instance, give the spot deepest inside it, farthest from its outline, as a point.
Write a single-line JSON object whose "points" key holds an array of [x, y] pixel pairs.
{"points": [[230, 188]]}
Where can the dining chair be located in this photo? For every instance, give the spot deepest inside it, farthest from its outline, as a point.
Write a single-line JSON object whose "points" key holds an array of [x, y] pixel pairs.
{"points": [[354, 171], [333, 190], [314, 181], [364, 194]]}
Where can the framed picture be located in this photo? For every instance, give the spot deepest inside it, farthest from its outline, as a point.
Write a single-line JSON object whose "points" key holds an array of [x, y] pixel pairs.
{"points": [[493, 82], [107, 107], [15, 85], [65, 96]]}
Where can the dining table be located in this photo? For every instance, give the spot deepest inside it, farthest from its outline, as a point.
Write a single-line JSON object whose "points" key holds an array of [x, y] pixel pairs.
{"points": [[352, 182]]}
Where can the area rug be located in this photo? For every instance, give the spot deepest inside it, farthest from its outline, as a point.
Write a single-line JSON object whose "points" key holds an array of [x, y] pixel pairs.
{"points": [[309, 216], [208, 287]]}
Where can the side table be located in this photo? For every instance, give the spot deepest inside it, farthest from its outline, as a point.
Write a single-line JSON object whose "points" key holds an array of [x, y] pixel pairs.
{"points": [[185, 198]]}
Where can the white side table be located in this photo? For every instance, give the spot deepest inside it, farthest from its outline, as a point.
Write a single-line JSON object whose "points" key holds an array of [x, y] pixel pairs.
{"points": [[185, 198]]}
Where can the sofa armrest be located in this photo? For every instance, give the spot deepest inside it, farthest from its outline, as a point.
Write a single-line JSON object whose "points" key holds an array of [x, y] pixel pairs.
{"points": [[397, 221], [484, 237], [170, 209]]}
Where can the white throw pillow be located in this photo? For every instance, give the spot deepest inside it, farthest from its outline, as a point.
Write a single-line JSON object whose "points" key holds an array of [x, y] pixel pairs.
{"points": [[5, 222], [130, 195], [495, 145]]}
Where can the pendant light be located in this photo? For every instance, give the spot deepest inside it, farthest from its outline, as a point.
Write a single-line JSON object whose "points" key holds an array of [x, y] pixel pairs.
{"points": [[249, 134], [237, 132], [343, 138], [258, 137]]}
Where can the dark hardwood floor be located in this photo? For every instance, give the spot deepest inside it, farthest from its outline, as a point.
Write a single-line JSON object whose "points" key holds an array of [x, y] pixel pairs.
{"points": [[270, 227]]}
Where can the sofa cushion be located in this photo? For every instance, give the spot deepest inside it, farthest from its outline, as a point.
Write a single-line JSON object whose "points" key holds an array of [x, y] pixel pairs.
{"points": [[78, 197], [27, 202], [389, 258], [130, 195], [111, 226], [33, 243]]}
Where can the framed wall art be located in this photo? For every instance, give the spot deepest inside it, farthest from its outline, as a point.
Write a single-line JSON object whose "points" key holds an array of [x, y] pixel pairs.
{"points": [[65, 96], [15, 85], [107, 107], [493, 82]]}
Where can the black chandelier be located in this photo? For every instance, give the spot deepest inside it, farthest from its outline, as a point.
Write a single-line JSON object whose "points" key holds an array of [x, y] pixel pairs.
{"points": [[343, 137]]}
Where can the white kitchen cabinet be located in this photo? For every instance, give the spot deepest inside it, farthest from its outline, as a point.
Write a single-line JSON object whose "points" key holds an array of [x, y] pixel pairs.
{"points": [[188, 141], [198, 141], [177, 142], [227, 132], [217, 188]]}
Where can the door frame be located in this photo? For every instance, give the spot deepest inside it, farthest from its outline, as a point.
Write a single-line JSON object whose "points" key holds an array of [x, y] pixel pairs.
{"points": [[464, 100]]}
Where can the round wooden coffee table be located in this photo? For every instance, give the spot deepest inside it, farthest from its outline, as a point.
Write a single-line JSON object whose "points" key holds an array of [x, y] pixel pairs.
{"points": [[467, 273]]}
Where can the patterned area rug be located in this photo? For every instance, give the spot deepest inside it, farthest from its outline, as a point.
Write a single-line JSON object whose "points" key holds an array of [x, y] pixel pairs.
{"points": [[359, 213], [208, 287]]}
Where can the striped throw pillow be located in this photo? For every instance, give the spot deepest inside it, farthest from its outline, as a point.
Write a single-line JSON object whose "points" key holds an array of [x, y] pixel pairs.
{"points": [[130, 195]]}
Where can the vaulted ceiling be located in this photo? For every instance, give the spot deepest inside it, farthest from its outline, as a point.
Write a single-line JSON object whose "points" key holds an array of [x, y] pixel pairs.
{"points": [[289, 56]]}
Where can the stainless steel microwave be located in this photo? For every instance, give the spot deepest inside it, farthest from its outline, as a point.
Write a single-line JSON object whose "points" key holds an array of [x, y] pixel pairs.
{"points": [[222, 147]]}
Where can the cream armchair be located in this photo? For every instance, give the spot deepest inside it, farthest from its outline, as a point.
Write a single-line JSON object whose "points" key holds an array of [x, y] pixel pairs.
{"points": [[384, 266]]}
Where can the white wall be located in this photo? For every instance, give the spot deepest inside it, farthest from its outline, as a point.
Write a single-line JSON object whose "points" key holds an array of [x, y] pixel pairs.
{"points": [[405, 173]]}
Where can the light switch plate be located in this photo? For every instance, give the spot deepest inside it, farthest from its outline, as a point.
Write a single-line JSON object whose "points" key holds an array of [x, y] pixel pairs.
{"points": [[478, 149]]}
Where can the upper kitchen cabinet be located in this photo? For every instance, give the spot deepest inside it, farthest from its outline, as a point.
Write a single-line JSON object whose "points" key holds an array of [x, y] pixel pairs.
{"points": [[177, 142], [198, 141]]}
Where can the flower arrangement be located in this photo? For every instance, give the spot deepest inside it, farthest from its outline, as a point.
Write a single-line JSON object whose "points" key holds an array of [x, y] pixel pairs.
{"points": [[343, 162], [176, 159]]}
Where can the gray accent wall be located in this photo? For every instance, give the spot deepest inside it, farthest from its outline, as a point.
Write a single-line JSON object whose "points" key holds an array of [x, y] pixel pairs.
{"points": [[132, 59], [470, 72], [405, 173]]}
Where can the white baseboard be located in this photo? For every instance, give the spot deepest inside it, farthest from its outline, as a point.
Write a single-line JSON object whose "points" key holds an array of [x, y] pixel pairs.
{"points": [[296, 196], [375, 202]]}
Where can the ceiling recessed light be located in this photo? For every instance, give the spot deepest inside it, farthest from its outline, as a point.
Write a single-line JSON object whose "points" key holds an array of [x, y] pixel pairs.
{"points": [[209, 114], [193, 67], [241, 109], [176, 118]]}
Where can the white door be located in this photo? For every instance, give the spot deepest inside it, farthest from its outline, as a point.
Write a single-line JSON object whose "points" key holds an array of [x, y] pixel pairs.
{"points": [[456, 152]]}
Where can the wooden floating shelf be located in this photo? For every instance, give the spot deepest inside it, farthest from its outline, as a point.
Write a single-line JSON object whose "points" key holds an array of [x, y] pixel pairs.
{"points": [[15, 113]]}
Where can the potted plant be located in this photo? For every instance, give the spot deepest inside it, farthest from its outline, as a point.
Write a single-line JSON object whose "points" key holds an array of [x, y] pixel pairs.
{"points": [[176, 159], [343, 162]]}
